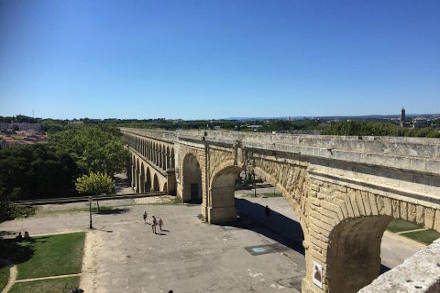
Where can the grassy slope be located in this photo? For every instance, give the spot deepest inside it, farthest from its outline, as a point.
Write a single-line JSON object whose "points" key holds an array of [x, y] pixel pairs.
{"points": [[427, 236], [61, 285], [53, 255], [4, 276], [401, 225]]}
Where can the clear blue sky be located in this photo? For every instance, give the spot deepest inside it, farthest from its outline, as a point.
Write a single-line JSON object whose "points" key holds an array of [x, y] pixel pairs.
{"points": [[216, 59]]}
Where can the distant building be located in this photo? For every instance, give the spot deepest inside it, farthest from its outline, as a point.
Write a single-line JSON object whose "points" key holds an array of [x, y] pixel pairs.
{"points": [[255, 127], [420, 122], [402, 117]]}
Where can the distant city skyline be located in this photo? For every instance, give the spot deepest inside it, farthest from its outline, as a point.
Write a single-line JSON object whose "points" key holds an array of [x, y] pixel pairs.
{"points": [[218, 59]]}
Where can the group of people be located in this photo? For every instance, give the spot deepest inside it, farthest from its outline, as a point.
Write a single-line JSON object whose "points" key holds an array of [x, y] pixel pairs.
{"points": [[155, 222], [20, 237]]}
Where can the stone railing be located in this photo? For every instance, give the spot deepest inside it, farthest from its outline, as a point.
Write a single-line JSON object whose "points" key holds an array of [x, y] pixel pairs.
{"points": [[410, 153]]}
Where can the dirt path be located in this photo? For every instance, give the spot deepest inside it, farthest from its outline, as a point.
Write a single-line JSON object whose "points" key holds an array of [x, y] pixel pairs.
{"points": [[12, 279], [88, 281], [47, 278]]}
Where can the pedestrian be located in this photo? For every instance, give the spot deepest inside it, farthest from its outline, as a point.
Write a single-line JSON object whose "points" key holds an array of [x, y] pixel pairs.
{"points": [[160, 224], [153, 226], [145, 216], [267, 210], [27, 236], [19, 237]]}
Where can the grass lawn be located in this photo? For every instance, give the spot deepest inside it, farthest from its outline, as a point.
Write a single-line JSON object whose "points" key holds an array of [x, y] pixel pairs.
{"points": [[426, 236], [401, 225], [271, 194], [53, 255], [4, 277], [61, 285]]}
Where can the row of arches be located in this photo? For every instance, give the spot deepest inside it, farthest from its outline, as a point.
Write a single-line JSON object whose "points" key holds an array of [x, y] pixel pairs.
{"points": [[160, 154], [352, 252], [145, 179]]}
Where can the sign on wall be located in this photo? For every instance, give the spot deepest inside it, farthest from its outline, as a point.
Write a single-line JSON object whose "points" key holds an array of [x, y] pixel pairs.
{"points": [[317, 274]]}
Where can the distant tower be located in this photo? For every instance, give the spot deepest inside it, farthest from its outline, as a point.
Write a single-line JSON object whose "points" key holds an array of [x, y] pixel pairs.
{"points": [[402, 117]]}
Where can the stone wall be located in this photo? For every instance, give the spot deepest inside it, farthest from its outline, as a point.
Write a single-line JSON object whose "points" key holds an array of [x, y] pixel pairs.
{"points": [[344, 190]]}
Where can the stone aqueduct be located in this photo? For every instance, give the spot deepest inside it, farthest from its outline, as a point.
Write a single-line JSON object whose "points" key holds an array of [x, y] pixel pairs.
{"points": [[344, 190]]}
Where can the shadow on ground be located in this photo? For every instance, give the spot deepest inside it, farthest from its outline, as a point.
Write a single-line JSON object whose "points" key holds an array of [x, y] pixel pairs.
{"points": [[277, 227], [109, 210], [15, 252]]}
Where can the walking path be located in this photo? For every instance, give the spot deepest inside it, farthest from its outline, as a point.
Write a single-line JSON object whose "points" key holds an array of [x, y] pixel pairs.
{"points": [[12, 279], [47, 278], [410, 231]]}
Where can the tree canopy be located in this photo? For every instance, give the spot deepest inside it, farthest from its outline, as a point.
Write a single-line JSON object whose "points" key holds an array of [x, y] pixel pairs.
{"points": [[95, 183], [94, 149], [36, 171]]}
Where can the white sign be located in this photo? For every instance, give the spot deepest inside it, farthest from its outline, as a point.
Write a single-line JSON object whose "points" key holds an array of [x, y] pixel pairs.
{"points": [[317, 274]]}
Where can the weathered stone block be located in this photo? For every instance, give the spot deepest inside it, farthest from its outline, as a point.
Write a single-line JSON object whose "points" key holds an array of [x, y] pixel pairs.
{"points": [[420, 216], [403, 210], [429, 218]]}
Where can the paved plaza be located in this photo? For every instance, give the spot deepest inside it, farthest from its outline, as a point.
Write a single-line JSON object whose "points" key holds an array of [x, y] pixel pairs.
{"points": [[122, 254]]}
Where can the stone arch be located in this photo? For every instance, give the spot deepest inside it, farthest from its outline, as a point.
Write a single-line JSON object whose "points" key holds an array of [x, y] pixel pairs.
{"points": [[191, 179], [137, 174], [293, 203], [148, 180], [164, 157], [133, 171], [352, 222], [156, 154], [168, 158], [142, 179], [159, 154], [155, 183], [353, 253], [172, 162], [221, 198], [165, 187]]}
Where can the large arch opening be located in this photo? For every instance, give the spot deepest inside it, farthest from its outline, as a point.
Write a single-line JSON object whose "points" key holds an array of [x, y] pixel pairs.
{"points": [[221, 201], [353, 255], [192, 180], [155, 183], [148, 180]]}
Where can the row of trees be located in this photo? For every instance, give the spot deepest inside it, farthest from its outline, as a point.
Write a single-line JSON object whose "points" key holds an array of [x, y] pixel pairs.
{"points": [[376, 128]]}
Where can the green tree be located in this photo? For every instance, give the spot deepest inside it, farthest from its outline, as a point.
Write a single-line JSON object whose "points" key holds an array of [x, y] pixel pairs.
{"points": [[36, 171], [94, 184], [94, 148]]}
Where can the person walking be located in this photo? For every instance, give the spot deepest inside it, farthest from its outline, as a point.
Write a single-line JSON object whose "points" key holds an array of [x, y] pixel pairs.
{"points": [[153, 226], [145, 217], [160, 224], [267, 211]]}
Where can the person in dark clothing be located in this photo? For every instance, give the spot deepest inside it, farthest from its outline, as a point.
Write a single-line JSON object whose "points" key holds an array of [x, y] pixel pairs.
{"points": [[267, 211], [19, 237]]}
